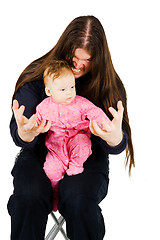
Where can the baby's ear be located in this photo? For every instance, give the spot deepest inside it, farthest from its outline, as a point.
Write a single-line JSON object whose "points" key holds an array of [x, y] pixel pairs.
{"points": [[48, 91]]}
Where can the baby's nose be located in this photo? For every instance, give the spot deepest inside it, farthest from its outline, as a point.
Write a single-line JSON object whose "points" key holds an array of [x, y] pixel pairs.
{"points": [[68, 91]]}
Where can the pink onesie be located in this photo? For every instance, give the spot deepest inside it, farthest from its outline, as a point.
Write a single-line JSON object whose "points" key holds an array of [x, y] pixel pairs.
{"points": [[68, 140]]}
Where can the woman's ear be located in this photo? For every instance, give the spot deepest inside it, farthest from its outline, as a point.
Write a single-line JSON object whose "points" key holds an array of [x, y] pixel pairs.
{"points": [[48, 91]]}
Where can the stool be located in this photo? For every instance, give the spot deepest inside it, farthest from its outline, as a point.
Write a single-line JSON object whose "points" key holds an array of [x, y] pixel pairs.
{"points": [[56, 228]]}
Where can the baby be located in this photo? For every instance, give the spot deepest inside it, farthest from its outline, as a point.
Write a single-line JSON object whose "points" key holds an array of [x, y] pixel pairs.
{"points": [[68, 140]]}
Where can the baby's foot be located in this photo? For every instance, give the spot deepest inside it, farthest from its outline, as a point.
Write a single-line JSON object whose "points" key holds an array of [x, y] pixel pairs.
{"points": [[55, 206]]}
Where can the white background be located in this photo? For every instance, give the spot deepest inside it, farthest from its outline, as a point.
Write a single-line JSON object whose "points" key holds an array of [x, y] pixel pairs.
{"points": [[31, 28]]}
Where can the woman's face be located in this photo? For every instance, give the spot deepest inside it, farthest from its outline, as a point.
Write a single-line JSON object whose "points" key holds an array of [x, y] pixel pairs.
{"points": [[81, 62]]}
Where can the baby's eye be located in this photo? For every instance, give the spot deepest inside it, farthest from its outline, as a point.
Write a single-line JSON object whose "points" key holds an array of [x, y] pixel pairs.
{"points": [[73, 86], [63, 89]]}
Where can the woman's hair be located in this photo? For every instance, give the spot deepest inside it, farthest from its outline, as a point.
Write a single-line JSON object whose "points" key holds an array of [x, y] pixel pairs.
{"points": [[103, 86], [55, 68]]}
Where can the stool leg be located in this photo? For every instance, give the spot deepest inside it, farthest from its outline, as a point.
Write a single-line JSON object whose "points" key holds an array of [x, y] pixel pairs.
{"points": [[56, 228], [61, 229]]}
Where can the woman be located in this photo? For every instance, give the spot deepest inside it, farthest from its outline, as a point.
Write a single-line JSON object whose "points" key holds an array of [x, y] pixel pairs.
{"points": [[83, 44]]}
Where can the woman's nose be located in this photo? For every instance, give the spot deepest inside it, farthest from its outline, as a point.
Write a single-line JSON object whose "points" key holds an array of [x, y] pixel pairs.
{"points": [[78, 63]]}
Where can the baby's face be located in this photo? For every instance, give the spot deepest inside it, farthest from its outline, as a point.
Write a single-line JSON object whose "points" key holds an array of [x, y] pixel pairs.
{"points": [[62, 89]]}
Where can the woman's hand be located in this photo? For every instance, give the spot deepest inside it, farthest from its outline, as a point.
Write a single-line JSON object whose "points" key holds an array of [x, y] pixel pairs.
{"points": [[28, 128], [111, 132]]}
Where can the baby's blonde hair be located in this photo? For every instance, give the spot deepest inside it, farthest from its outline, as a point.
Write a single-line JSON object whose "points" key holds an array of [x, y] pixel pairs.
{"points": [[55, 68]]}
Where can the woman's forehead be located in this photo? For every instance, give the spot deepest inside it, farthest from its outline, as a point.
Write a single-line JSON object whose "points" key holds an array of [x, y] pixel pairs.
{"points": [[82, 54]]}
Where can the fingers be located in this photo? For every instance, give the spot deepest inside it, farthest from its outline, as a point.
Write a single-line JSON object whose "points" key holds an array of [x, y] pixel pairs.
{"points": [[31, 123], [120, 108], [15, 107], [47, 127], [117, 115], [91, 127], [36, 129], [15, 104], [113, 112], [106, 125], [29, 126], [95, 129], [21, 110], [18, 112], [43, 127], [33, 118]]}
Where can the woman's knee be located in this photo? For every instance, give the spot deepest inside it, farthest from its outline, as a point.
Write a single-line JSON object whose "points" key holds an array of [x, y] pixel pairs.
{"points": [[84, 205], [79, 206], [32, 195], [31, 185]]}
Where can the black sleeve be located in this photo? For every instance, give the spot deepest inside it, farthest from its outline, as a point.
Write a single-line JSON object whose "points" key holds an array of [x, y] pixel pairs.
{"points": [[29, 95], [123, 144], [117, 149]]}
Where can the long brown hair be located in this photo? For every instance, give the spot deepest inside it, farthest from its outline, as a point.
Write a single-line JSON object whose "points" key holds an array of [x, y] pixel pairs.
{"points": [[104, 87]]}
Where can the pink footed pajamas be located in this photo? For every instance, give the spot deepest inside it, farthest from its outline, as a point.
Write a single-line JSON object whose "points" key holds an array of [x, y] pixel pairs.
{"points": [[68, 140]]}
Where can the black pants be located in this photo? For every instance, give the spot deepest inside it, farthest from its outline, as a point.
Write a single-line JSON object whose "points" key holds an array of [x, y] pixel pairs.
{"points": [[31, 201]]}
